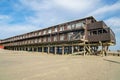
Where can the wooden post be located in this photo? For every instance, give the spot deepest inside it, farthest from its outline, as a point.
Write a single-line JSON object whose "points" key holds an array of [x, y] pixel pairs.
{"points": [[25, 48], [84, 48], [32, 49], [17, 48], [22, 48], [48, 49], [13, 48], [55, 49], [42, 48], [28, 49], [103, 50], [62, 50], [106, 49], [72, 49], [89, 49]]}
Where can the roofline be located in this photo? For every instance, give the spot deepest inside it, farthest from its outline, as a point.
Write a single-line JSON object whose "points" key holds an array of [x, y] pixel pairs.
{"points": [[90, 17]]}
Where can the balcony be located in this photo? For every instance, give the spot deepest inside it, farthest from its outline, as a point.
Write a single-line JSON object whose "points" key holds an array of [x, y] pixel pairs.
{"points": [[105, 35]]}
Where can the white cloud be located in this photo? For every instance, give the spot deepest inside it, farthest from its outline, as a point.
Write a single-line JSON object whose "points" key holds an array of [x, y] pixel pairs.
{"points": [[106, 9], [114, 23], [74, 6], [36, 5], [46, 11], [8, 30], [4, 17], [77, 5]]}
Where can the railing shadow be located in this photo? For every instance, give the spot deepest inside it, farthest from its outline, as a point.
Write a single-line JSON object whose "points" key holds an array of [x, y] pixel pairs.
{"points": [[112, 61]]}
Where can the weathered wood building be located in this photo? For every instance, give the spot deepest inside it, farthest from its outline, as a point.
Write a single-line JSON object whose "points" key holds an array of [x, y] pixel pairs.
{"points": [[85, 35]]}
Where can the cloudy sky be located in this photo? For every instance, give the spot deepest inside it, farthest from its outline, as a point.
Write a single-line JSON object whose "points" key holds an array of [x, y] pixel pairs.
{"points": [[22, 16]]}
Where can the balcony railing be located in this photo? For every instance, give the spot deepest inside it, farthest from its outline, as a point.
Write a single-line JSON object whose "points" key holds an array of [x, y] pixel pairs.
{"points": [[107, 36]]}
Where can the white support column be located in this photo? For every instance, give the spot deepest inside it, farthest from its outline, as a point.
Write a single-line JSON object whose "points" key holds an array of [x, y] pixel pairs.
{"points": [[48, 49], [103, 50], [107, 47], [55, 49], [84, 48], [32, 49], [72, 49], [62, 50], [36, 49], [42, 48]]}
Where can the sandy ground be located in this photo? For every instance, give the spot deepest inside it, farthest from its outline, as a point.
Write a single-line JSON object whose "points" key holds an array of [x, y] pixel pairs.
{"points": [[36, 66]]}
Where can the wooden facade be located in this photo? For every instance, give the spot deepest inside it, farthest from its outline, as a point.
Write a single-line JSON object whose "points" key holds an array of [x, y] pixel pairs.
{"points": [[84, 35]]}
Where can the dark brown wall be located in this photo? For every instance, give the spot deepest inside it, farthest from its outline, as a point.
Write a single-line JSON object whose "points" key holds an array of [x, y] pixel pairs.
{"points": [[95, 25], [97, 38]]}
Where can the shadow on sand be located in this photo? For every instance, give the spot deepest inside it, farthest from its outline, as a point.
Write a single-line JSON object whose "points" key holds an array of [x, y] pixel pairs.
{"points": [[112, 61]]}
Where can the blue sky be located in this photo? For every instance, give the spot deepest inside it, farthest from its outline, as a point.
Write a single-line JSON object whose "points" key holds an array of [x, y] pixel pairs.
{"points": [[22, 16]]}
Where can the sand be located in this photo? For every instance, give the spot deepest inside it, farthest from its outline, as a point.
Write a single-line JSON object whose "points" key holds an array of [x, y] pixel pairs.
{"points": [[16, 65]]}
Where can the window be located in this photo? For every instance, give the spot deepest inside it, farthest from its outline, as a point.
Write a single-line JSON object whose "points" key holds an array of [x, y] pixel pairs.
{"points": [[100, 31], [69, 26], [97, 32], [61, 37], [55, 38], [39, 40], [79, 24], [23, 36], [44, 39], [94, 32], [49, 31], [39, 33], [35, 33], [36, 40], [56, 29], [28, 41], [32, 41], [90, 33], [61, 28], [44, 32], [73, 26], [49, 39], [70, 35], [104, 31]]}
